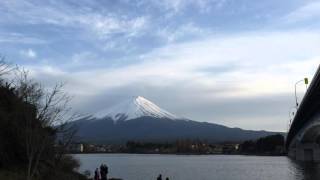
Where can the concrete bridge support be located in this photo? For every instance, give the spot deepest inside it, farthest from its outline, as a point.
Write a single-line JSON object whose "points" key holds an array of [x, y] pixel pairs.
{"points": [[309, 152]]}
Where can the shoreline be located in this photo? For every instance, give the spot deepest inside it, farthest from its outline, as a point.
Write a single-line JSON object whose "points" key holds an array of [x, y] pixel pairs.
{"points": [[185, 154]]}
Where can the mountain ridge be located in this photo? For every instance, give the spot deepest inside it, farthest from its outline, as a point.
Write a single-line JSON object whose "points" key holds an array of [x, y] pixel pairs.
{"points": [[141, 120]]}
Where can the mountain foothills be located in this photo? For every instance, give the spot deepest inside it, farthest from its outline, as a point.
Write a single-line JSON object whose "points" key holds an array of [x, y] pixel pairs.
{"points": [[139, 119]]}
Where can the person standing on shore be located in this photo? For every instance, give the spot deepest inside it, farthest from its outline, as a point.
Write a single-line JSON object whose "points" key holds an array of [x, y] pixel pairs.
{"points": [[104, 171], [159, 177], [96, 174]]}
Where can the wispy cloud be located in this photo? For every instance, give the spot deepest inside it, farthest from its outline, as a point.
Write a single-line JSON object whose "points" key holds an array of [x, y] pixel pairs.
{"points": [[61, 14], [183, 32], [106, 26], [176, 6], [29, 53], [308, 12], [20, 38]]}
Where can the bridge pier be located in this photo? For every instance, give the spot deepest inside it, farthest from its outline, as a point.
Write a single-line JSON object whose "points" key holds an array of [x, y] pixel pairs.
{"points": [[309, 152]]}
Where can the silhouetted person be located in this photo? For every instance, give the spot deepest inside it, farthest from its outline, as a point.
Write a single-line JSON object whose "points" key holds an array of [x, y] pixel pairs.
{"points": [[104, 171], [159, 177], [96, 174], [167, 178], [101, 168]]}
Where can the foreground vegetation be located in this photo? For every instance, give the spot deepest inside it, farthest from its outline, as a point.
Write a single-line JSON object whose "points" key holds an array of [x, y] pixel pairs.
{"points": [[269, 145], [33, 131]]}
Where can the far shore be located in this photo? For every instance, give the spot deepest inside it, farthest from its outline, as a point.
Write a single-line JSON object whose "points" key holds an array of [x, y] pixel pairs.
{"points": [[186, 154]]}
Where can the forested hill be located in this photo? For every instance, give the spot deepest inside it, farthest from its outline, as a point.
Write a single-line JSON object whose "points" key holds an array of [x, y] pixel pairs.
{"points": [[28, 148]]}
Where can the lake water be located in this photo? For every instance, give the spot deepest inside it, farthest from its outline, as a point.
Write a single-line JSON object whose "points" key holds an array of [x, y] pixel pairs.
{"points": [[200, 167]]}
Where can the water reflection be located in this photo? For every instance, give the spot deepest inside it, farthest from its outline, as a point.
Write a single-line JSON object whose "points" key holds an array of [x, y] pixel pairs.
{"points": [[305, 170]]}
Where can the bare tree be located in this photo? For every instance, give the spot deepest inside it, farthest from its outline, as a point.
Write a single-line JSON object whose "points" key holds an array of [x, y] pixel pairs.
{"points": [[44, 115], [5, 68], [51, 112]]}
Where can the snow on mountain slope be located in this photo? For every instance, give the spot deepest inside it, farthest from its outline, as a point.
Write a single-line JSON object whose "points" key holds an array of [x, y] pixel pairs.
{"points": [[135, 108]]}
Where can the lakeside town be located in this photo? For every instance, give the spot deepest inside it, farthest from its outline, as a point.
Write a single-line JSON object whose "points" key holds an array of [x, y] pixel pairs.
{"points": [[270, 145]]}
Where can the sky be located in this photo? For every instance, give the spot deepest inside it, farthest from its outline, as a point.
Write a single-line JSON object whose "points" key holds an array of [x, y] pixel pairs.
{"points": [[231, 62]]}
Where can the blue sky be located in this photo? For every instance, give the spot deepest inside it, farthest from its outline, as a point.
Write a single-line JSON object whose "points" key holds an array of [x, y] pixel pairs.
{"points": [[232, 62]]}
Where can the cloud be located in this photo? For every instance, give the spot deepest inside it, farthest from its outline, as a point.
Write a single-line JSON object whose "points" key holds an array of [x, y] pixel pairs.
{"points": [[308, 12], [105, 26], [176, 6], [102, 24], [82, 57], [183, 32], [216, 72], [29, 53], [20, 38]]}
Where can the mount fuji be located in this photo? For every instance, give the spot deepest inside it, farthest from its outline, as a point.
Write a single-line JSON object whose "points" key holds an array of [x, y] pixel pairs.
{"points": [[139, 119], [135, 108]]}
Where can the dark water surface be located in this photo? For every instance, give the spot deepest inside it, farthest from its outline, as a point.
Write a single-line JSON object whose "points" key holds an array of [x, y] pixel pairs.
{"points": [[200, 167]]}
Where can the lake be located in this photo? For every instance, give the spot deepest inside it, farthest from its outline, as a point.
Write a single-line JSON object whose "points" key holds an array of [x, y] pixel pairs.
{"points": [[199, 167]]}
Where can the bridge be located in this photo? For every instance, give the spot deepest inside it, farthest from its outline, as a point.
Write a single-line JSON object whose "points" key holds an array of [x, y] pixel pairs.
{"points": [[303, 138]]}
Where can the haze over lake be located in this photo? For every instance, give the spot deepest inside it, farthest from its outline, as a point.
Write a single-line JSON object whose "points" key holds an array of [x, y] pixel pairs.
{"points": [[203, 167]]}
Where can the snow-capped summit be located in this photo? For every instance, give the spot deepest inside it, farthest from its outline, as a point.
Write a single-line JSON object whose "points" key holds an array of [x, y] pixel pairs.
{"points": [[135, 108]]}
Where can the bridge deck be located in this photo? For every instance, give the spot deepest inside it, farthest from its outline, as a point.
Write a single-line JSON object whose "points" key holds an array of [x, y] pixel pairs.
{"points": [[307, 108]]}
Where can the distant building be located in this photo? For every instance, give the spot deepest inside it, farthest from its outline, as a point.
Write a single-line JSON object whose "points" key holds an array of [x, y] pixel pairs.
{"points": [[237, 146], [76, 147], [217, 149], [230, 148], [100, 149]]}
